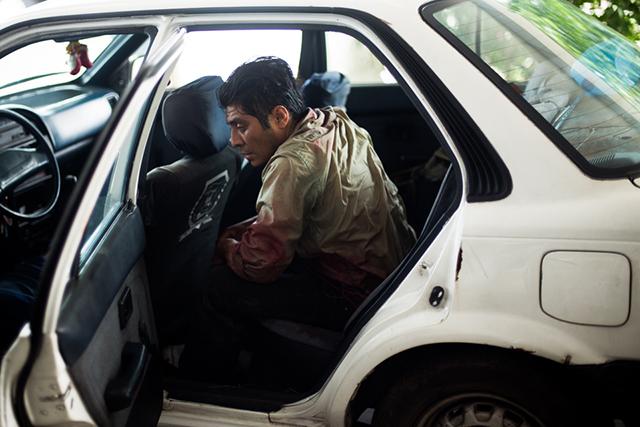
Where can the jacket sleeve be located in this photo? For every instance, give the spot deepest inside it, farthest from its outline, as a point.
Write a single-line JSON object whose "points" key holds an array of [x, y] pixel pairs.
{"points": [[268, 245]]}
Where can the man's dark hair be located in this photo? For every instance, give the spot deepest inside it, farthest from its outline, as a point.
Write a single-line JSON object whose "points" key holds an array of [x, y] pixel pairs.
{"points": [[258, 86]]}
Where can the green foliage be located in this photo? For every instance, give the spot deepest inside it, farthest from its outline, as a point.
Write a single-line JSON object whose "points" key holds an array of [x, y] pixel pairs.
{"points": [[573, 30], [621, 15]]}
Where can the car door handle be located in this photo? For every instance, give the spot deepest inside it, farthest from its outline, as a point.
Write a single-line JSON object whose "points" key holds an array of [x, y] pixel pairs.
{"points": [[125, 307], [123, 387]]}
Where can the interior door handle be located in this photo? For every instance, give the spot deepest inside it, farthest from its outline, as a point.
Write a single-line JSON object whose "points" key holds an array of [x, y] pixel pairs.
{"points": [[123, 387]]}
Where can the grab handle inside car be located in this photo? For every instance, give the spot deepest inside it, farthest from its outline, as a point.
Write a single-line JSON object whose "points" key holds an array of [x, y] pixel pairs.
{"points": [[124, 386]]}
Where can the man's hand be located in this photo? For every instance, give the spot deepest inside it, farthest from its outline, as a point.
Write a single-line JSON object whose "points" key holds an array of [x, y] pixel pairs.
{"points": [[236, 231], [223, 247], [228, 239], [226, 249], [232, 232]]}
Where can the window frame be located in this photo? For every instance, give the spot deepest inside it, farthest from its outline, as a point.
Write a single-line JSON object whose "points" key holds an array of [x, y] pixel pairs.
{"points": [[427, 12], [465, 144], [120, 176]]}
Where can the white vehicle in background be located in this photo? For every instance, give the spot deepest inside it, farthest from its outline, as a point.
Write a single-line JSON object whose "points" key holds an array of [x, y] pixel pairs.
{"points": [[510, 128]]}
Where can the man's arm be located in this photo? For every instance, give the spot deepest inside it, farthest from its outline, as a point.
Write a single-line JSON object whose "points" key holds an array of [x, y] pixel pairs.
{"points": [[235, 231], [267, 246]]}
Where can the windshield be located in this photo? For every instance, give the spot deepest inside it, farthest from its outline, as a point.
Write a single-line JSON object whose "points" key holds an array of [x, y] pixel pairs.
{"points": [[47, 62], [580, 76]]}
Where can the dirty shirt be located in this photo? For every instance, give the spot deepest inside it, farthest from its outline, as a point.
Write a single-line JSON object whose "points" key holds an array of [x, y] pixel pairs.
{"points": [[325, 196]]}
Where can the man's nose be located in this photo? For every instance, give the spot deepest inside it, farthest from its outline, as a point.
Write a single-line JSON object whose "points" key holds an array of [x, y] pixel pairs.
{"points": [[235, 138]]}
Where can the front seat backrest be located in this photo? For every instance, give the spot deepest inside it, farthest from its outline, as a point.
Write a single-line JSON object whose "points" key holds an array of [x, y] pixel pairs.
{"points": [[185, 199]]}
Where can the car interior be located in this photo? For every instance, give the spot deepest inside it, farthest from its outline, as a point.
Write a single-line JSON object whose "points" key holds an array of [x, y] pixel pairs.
{"points": [[46, 134], [290, 358], [187, 160]]}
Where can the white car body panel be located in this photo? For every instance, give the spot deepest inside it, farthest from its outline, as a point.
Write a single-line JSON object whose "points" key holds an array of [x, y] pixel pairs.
{"points": [[12, 363], [51, 397], [178, 413], [495, 300], [404, 320]]}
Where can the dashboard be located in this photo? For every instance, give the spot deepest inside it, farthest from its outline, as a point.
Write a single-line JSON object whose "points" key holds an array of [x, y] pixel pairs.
{"points": [[13, 134], [65, 114], [69, 117]]}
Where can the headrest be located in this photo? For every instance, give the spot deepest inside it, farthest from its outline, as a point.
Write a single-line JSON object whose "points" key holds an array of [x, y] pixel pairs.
{"points": [[193, 120], [326, 89]]}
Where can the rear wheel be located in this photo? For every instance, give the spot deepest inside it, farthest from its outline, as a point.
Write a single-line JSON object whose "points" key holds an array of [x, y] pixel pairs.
{"points": [[477, 409], [494, 392]]}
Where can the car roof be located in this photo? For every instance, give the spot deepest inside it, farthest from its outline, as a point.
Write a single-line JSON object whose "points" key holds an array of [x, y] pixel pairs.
{"points": [[384, 9]]}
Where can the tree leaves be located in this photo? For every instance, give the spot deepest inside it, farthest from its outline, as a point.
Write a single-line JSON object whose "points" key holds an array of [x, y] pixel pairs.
{"points": [[621, 15]]}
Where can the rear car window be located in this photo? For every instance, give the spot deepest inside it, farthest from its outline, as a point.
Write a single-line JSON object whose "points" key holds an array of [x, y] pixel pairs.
{"points": [[579, 76]]}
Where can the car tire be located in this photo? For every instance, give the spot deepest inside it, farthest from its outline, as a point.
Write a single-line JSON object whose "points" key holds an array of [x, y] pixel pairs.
{"points": [[467, 391]]}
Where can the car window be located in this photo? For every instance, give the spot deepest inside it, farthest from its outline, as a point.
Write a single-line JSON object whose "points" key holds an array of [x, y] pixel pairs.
{"points": [[216, 52], [353, 59], [128, 69], [112, 197], [46, 62], [582, 78]]}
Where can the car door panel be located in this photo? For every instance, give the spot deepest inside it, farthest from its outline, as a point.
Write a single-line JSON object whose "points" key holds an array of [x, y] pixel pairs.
{"points": [[107, 270], [107, 311]]}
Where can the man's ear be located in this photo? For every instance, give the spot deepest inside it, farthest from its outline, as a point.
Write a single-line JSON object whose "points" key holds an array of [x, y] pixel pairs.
{"points": [[280, 116]]}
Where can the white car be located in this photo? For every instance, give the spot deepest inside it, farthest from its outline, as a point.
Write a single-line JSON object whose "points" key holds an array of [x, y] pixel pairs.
{"points": [[510, 128]]}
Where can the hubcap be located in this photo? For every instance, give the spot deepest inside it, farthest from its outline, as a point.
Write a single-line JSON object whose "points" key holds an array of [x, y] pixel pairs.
{"points": [[477, 410]]}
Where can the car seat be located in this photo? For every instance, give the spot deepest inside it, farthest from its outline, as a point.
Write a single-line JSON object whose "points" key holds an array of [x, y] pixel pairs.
{"points": [[183, 201], [328, 89]]}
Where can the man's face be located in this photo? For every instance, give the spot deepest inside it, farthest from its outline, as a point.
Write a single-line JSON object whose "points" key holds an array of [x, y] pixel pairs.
{"points": [[254, 142]]}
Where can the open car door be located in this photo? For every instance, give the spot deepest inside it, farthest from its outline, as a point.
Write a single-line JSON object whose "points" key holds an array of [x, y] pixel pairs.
{"points": [[93, 357]]}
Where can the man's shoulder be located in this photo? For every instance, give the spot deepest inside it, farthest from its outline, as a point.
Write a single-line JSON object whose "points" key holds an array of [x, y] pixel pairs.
{"points": [[294, 156], [303, 149]]}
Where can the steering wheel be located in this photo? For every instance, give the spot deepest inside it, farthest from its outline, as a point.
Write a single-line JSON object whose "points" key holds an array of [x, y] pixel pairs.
{"points": [[18, 164]]}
